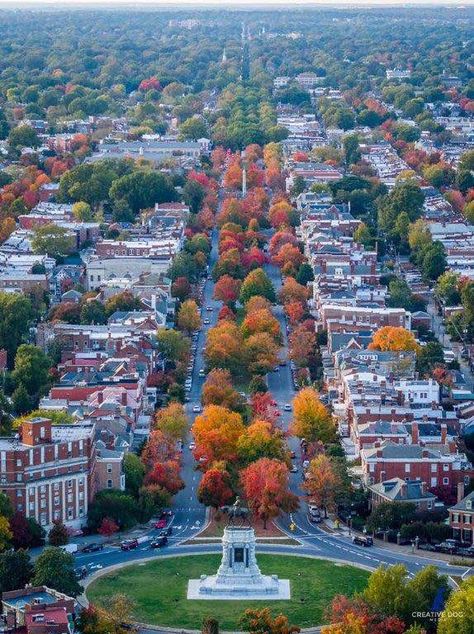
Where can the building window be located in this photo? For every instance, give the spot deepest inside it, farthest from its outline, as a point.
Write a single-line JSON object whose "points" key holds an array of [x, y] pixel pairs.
{"points": [[434, 482], [109, 484], [109, 468], [371, 467], [43, 504], [56, 500], [467, 519], [81, 495], [69, 484], [430, 505], [455, 517], [57, 515], [69, 497], [446, 467], [445, 480], [18, 462], [81, 511], [70, 514], [19, 494], [407, 467], [19, 477]]}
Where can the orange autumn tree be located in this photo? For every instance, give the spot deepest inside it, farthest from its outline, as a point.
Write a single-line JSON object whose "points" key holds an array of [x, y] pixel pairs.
{"points": [[261, 321], [218, 390], [225, 347], [394, 338], [216, 433], [322, 482], [265, 485], [311, 419], [291, 291], [189, 318]]}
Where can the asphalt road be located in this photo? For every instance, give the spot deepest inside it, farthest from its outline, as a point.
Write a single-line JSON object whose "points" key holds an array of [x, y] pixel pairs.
{"points": [[190, 515]]}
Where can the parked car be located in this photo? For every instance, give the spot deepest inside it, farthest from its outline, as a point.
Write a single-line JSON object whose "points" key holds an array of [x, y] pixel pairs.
{"points": [[197, 408], [206, 321], [92, 548], [160, 542], [160, 524], [166, 532], [448, 546], [362, 540], [166, 513], [287, 407], [294, 469], [192, 446], [129, 544]]}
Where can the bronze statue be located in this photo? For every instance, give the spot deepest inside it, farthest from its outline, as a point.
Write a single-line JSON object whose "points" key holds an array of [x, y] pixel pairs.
{"points": [[237, 512]]}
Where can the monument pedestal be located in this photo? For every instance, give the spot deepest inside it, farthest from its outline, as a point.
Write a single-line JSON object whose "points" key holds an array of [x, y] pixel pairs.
{"points": [[239, 576]]}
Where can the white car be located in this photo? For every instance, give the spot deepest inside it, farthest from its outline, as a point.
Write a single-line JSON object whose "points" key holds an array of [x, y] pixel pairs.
{"points": [[287, 407], [196, 408], [206, 321], [202, 373], [192, 446]]}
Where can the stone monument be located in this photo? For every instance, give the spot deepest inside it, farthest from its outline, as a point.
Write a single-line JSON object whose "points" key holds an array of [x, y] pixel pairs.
{"points": [[238, 576]]}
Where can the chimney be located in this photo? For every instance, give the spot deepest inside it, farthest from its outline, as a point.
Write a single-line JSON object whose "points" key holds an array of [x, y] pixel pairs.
{"points": [[100, 397], [424, 488], [415, 434], [403, 491], [124, 398], [460, 490], [153, 302], [444, 433], [452, 447]]}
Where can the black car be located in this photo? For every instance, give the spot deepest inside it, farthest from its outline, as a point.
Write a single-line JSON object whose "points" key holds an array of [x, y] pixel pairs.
{"points": [[165, 514], [362, 540], [160, 542], [166, 532], [92, 548]]}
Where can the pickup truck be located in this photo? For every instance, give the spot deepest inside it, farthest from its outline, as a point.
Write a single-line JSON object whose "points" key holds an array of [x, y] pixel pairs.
{"points": [[363, 540], [70, 548]]}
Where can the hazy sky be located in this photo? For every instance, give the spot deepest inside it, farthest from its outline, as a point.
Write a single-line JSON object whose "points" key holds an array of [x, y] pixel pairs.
{"points": [[232, 3]]}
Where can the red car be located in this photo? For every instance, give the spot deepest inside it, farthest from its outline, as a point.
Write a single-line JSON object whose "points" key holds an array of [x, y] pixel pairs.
{"points": [[160, 524]]}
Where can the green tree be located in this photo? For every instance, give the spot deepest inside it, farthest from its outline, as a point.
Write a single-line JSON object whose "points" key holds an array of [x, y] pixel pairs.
{"points": [[23, 136], [21, 401], [193, 194], [183, 265], [434, 261], [458, 614], [391, 515], [173, 345], [58, 535], [134, 471], [351, 148], [16, 314], [142, 189], [305, 274], [32, 370], [447, 288], [82, 212], [193, 128], [52, 240], [93, 312], [428, 357], [55, 568], [122, 302], [116, 505], [257, 282], [16, 570]]}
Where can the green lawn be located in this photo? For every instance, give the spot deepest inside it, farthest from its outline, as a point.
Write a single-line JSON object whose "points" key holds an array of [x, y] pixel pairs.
{"points": [[159, 590]]}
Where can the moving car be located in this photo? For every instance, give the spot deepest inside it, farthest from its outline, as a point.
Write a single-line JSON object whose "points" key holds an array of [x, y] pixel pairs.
{"points": [[159, 542], [81, 573], [92, 548], [202, 372], [294, 469], [166, 532], [160, 524], [129, 544], [209, 309], [206, 321], [287, 407], [192, 445], [197, 408], [362, 540]]}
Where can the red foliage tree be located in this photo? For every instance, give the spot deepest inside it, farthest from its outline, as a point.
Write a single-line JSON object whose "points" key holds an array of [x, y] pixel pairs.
{"points": [[227, 290], [265, 484], [214, 489], [108, 527]]}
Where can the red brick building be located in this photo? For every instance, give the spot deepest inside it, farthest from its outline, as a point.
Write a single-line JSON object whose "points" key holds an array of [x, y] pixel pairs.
{"points": [[48, 472], [441, 470]]}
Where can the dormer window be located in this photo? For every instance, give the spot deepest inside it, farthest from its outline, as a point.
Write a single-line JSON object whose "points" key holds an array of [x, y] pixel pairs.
{"points": [[469, 505]]}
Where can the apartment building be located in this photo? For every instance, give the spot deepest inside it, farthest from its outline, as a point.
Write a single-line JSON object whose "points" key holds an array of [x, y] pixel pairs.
{"points": [[48, 472]]}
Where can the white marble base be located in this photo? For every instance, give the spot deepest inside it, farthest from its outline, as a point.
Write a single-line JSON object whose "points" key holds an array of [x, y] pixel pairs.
{"points": [[271, 589]]}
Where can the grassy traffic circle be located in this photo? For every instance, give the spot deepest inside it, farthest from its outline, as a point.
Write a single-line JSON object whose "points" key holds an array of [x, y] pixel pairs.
{"points": [[159, 589]]}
